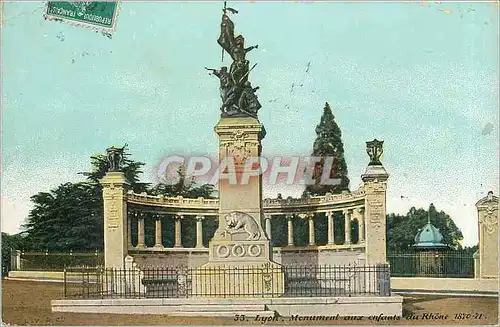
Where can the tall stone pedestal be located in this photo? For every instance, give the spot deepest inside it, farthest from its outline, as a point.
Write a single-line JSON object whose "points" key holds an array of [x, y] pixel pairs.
{"points": [[375, 186], [239, 140], [115, 219], [240, 255]]}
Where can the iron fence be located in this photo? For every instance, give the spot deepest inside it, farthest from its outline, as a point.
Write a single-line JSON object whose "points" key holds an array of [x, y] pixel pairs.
{"points": [[340, 280], [453, 264], [221, 282]]}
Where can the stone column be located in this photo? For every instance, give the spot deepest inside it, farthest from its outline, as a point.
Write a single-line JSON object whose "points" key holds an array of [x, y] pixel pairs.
{"points": [[178, 239], [312, 240], [141, 243], [477, 273], [129, 229], [130, 283], [290, 229], [361, 224], [158, 238], [15, 260], [199, 231], [347, 224], [487, 210], [375, 186], [18, 260], [267, 220], [114, 187], [331, 228]]}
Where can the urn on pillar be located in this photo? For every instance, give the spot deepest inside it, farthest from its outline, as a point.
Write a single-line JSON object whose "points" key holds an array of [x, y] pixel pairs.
{"points": [[375, 186]]}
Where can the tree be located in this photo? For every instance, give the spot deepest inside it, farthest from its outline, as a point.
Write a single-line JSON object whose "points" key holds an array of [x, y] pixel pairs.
{"points": [[328, 143], [401, 230], [70, 217]]}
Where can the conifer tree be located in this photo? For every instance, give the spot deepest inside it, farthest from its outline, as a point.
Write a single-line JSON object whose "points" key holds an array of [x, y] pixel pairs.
{"points": [[328, 143]]}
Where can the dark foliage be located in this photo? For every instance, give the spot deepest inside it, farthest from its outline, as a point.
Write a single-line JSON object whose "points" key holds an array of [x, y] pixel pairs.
{"points": [[328, 143], [401, 230]]}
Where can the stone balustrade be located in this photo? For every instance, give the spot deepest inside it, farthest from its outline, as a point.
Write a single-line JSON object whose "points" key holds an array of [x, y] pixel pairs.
{"points": [[323, 203], [276, 206], [174, 201]]}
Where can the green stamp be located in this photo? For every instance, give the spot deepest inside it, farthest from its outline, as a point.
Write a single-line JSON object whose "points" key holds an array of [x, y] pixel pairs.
{"points": [[97, 15]]}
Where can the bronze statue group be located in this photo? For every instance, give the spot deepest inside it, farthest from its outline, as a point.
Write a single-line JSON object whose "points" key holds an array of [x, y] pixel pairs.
{"points": [[237, 94]]}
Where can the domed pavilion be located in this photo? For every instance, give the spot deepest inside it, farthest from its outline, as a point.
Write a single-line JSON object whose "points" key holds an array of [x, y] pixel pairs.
{"points": [[429, 242]]}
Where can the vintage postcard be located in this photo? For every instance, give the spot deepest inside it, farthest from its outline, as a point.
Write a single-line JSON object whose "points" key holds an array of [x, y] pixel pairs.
{"points": [[250, 163]]}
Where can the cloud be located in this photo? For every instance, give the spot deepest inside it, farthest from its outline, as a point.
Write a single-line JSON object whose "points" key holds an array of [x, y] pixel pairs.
{"points": [[13, 212]]}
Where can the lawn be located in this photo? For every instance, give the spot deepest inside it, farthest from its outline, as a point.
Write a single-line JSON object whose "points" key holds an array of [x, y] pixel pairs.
{"points": [[28, 303]]}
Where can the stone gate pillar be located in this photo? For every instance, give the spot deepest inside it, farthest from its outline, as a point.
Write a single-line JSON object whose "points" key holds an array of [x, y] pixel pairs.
{"points": [[487, 210], [375, 186], [15, 260], [115, 186]]}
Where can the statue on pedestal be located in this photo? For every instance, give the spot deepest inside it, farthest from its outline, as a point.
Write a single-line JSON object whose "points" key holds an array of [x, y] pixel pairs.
{"points": [[239, 241], [115, 157], [237, 94]]}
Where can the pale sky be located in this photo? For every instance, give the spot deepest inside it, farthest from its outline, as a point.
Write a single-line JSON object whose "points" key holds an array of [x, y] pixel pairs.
{"points": [[423, 77]]}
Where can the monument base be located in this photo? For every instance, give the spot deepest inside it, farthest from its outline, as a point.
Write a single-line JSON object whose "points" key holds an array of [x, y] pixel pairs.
{"points": [[240, 254], [329, 307], [238, 267], [238, 280]]}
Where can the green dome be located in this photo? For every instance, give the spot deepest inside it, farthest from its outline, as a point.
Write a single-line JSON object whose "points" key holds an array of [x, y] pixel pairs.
{"points": [[429, 237]]}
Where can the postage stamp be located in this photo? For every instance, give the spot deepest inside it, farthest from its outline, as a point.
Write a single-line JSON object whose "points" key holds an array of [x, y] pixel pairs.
{"points": [[97, 15], [250, 163]]}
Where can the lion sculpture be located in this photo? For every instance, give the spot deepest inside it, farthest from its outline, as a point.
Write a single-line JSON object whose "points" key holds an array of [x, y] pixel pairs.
{"points": [[237, 221]]}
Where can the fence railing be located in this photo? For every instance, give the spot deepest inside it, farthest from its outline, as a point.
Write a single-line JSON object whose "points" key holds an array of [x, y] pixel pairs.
{"points": [[58, 261], [454, 264], [250, 281]]}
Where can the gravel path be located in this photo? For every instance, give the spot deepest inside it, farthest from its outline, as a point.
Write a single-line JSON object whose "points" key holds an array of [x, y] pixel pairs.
{"points": [[28, 303]]}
